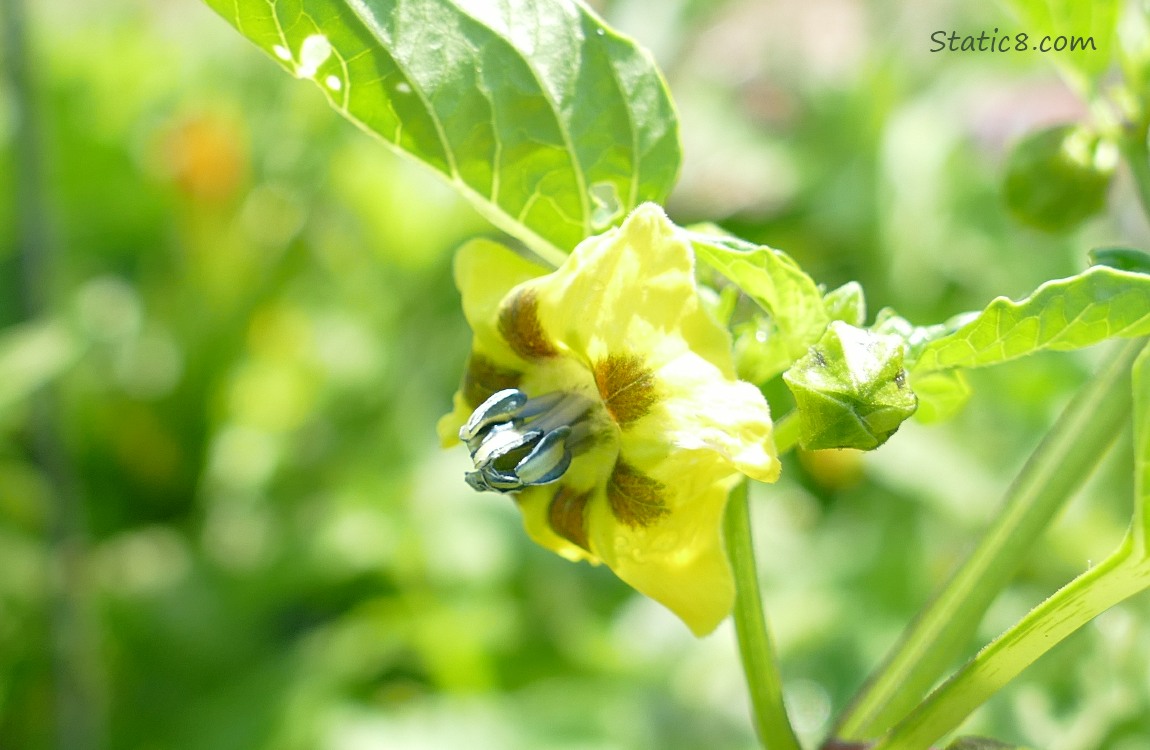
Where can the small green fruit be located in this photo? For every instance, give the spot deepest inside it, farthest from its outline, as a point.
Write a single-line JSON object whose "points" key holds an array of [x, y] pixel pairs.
{"points": [[1057, 178]]}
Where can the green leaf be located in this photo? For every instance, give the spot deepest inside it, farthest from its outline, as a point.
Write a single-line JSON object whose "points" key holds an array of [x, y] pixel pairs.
{"points": [[774, 281], [1057, 178], [1122, 258], [554, 125], [914, 337], [760, 351], [1097, 304], [1096, 20], [847, 303], [941, 395]]}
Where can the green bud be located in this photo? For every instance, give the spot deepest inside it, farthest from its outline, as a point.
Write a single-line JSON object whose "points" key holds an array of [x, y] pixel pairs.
{"points": [[851, 389], [1058, 177]]}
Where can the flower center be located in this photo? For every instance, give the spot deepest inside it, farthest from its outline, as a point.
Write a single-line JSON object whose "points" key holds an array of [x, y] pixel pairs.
{"points": [[516, 441]]}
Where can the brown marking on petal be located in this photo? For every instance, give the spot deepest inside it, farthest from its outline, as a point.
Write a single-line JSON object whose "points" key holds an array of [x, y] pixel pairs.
{"points": [[483, 378], [567, 516], [520, 327], [626, 386], [635, 498]]}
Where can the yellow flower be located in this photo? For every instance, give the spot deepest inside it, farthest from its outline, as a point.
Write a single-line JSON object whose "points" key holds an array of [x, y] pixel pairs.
{"points": [[604, 396]]}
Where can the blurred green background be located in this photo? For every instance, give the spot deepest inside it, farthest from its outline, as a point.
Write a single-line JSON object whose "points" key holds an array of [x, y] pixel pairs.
{"points": [[224, 518]]}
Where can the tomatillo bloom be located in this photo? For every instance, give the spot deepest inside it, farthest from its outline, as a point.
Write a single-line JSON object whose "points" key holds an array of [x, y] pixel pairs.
{"points": [[604, 396]]}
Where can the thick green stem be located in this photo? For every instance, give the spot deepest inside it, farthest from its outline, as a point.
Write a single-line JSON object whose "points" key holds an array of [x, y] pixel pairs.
{"points": [[759, 663], [1060, 465], [1119, 577], [1141, 383]]}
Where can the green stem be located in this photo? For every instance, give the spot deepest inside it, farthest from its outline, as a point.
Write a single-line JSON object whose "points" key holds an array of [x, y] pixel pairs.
{"points": [[1119, 577], [1063, 461], [759, 663], [1135, 151], [787, 432], [1141, 378]]}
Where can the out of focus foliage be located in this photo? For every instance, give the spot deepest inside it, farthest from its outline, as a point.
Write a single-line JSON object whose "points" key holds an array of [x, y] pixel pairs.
{"points": [[224, 520]]}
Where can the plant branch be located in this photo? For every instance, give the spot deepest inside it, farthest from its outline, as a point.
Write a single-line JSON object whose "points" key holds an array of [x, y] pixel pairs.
{"points": [[1119, 577], [1057, 468]]}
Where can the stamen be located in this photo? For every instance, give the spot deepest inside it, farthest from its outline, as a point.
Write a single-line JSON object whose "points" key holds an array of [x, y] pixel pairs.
{"points": [[491, 480], [581, 437], [536, 406], [547, 461], [499, 407], [516, 442], [566, 412], [501, 440]]}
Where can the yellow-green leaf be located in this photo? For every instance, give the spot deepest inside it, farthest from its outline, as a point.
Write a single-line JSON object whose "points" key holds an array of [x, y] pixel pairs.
{"points": [[1097, 304]]}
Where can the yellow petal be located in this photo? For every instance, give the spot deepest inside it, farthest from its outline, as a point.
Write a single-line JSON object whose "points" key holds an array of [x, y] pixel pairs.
{"points": [[535, 503], [485, 272], [678, 558], [556, 516], [631, 290], [698, 409], [659, 526], [447, 428]]}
